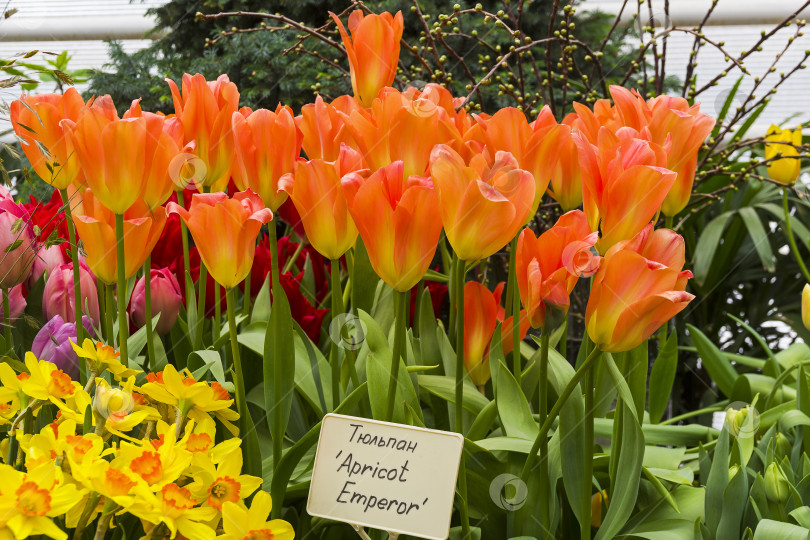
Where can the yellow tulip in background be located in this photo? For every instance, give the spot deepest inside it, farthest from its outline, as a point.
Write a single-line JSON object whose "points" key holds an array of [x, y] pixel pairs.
{"points": [[780, 146]]}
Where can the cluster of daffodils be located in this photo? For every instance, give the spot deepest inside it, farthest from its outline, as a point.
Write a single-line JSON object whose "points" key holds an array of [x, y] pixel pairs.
{"points": [[127, 450]]}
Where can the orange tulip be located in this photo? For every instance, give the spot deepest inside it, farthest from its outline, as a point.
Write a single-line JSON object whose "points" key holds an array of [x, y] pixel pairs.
{"points": [[549, 266], [397, 220], [639, 287], [674, 124], [624, 183], [482, 313], [115, 154], [164, 139], [566, 175], [373, 51], [535, 146], [38, 123], [205, 110], [225, 231], [402, 129], [483, 206], [317, 195], [323, 128], [267, 145], [95, 224]]}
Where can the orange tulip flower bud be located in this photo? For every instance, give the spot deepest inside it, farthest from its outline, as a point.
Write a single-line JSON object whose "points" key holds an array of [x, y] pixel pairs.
{"points": [[205, 110], [373, 51], [267, 145], [398, 221], [95, 224], [225, 231], [566, 175], [482, 313], [483, 206], [37, 123], [316, 192], [639, 287], [323, 128], [624, 183], [549, 266]]}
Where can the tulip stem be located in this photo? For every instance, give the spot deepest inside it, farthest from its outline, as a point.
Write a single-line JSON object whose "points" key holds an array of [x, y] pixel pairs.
{"points": [[459, 279], [789, 232], [334, 354], [217, 312], [108, 314], [246, 297], [274, 275], [453, 296], [400, 323], [542, 407], [238, 380], [202, 282], [186, 258], [587, 487], [513, 306], [583, 369], [7, 322], [121, 292], [74, 255], [147, 309]]}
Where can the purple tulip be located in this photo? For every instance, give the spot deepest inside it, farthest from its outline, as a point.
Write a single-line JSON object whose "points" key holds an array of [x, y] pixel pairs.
{"points": [[52, 344]]}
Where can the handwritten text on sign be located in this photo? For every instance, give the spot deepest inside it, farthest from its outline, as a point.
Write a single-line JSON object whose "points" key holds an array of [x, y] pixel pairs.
{"points": [[386, 476]]}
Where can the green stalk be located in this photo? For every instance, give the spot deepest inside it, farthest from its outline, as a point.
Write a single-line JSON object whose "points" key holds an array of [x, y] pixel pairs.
{"points": [[400, 324], [459, 278], [147, 302], [542, 407], [789, 233], [238, 379], [513, 306], [7, 322], [337, 309], [587, 488], [463, 510], [453, 296], [274, 275], [121, 292], [203, 284], [108, 315], [217, 330], [74, 255], [417, 306], [186, 260], [584, 369], [246, 297]]}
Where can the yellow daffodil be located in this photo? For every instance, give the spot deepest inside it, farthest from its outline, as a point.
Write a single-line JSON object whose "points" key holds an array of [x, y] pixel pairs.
{"points": [[118, 408], [47, 382], [29, 500], [58, 441], [158, 462], [195, 400], [784, 143], [100, 357], [176, 507], [252, 523], [216, 484], [108, 481], [12, 397]]}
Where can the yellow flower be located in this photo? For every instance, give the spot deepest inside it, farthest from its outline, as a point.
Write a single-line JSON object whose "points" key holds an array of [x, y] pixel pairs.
{"points": [[99, 357], [215, 484], [194, 399], [12, 397], [158, 462], [784, 170], [108, 481], [241, 524], [47, 382], [29, 500], [56, 441], [118, 408], [174, 506], [806, 306]]}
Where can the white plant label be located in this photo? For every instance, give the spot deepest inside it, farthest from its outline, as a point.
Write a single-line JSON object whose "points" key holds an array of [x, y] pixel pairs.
{"points": [[386, 476]]}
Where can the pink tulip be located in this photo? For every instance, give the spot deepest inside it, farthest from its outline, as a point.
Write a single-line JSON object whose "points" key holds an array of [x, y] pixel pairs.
{"points": [[16, 303], [17, 248], [58, 296], [166, 300], [47, 259]]}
